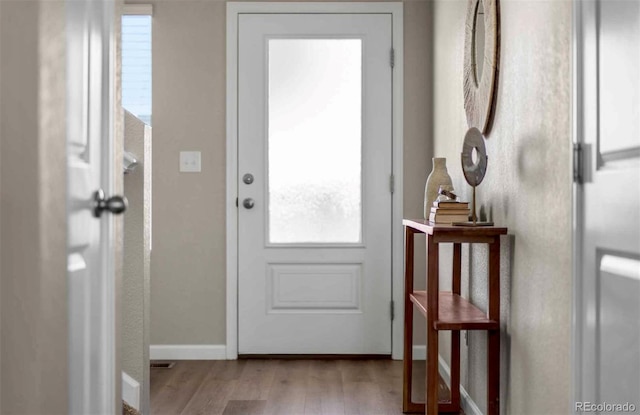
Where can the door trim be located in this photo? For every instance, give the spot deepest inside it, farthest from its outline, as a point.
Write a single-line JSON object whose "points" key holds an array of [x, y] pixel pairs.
{"points": [[577, 200], [234, 9]]}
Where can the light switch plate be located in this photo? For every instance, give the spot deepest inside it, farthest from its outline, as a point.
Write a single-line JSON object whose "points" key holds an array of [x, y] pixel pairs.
{"points": [[190, 162]]}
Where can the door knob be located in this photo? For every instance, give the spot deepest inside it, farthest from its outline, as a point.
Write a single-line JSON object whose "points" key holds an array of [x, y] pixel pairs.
{"points": [[115, 204], [248, 203]]}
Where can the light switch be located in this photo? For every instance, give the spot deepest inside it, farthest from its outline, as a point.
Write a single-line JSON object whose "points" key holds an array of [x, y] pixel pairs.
{"points": [[190, 162]]}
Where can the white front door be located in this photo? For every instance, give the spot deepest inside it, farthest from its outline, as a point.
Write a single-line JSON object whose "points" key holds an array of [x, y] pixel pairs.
{"points": [[314, 145], [90, 238], [608, 336]]}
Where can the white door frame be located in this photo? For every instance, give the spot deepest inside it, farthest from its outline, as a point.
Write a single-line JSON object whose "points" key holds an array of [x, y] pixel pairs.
{"points": [[234, 9]]}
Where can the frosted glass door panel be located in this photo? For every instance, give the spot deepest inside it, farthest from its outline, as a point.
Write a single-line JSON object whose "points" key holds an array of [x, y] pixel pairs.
{"points": [[315, 140]]}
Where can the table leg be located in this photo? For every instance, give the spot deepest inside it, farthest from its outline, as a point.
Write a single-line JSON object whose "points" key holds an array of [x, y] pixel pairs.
{"points": [[455, 334], [456, 281], [493, 341], [431, 395], [408, 320]]}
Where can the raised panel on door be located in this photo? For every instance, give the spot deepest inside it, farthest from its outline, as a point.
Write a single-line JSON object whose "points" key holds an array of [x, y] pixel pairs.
{"points": [[618, 80], [314, 288], [618, 336]]}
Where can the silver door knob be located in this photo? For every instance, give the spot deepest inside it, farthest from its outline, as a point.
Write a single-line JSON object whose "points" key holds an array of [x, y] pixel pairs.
{"points": [[248, 203], [115, 204]]}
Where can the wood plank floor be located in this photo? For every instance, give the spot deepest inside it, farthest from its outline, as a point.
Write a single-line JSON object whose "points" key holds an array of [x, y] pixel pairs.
{"points": [[283, 387]]}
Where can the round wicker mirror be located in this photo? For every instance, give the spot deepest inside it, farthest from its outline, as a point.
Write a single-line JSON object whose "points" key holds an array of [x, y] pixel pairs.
{"points": [[481, 58]]}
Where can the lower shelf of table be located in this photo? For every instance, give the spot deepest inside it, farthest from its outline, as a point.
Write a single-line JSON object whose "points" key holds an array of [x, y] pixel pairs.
{"points": [[455, 312]]}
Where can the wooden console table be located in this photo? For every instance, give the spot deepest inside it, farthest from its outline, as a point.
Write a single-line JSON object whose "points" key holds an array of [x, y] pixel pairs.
{"points": [[450, 311]]}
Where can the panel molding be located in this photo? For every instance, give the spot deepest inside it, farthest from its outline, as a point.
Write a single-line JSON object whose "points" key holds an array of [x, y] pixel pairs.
{"points": [[278, 304], [620, 266], [623, 154]]}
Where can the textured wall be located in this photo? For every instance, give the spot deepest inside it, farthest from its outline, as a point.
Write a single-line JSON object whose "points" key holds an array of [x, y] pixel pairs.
{"points": [[137, 258], [33, 375], [189, 88], [527, 188]]}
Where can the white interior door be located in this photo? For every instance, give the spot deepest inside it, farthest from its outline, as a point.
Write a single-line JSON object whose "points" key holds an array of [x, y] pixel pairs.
{"points": [[90, 239], [315, 134], [609, 122]]}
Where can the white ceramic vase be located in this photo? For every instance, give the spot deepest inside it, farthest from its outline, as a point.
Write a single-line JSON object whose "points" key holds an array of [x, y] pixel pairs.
{"points": [[438, 176]]}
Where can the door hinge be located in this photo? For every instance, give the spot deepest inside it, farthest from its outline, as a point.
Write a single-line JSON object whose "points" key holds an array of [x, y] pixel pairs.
{"points": [[236, 202], [392, 57], [578, 163], [392, 310], [392, 183]]}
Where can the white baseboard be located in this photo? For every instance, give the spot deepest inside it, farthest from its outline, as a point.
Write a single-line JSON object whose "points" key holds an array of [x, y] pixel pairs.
{"points": [[188, 352], [468, 405], [131, 391], [419, 352]]}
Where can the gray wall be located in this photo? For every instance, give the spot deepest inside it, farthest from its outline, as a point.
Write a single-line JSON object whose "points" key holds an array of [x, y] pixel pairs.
{"points": [[527, 188], [189, 88], [33, 348], [136, 269], [188, 258]]}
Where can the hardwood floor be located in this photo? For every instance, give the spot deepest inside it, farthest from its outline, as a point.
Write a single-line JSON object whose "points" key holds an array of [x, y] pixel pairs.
{"points": [[282, 387]]}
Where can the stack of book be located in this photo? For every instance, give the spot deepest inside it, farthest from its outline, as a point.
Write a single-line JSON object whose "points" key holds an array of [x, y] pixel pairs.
{"points": [[449, 212]]}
